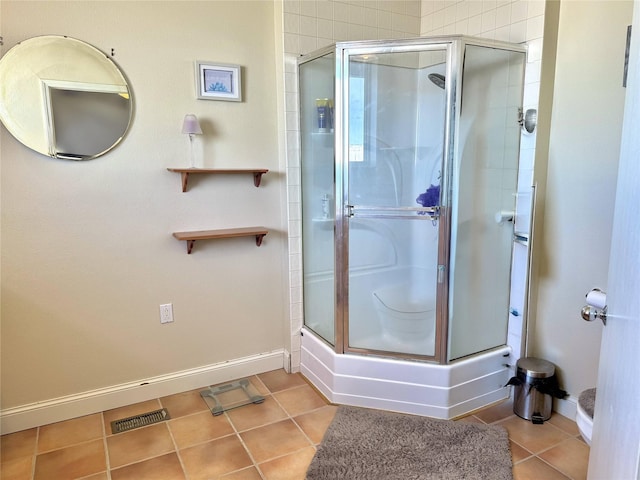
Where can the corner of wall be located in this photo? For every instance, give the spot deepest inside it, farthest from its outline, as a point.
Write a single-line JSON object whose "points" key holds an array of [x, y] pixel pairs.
{"points": [[547, 74]]}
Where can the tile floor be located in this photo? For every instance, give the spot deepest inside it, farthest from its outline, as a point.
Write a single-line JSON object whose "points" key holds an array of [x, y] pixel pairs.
{"points": [[275, 440]]}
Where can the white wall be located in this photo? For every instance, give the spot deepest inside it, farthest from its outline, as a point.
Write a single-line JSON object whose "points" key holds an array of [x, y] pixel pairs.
{"points": [[87, 251], [573, 238]]}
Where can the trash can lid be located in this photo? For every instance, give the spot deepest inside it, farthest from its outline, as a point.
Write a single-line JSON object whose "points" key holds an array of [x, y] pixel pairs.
{"points": [[536, 367]]}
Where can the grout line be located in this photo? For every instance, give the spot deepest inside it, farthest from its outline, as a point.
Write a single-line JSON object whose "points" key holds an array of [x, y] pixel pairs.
{"points": [[106, 446], [244, 445], [175, 445], [35, 454]]}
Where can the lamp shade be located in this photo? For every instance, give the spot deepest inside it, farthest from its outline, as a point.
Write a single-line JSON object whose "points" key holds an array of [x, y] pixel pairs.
{"points": [[190, 125]]}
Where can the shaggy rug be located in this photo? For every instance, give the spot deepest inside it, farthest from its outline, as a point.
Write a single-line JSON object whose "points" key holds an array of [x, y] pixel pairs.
{"points": [[367, 444]]}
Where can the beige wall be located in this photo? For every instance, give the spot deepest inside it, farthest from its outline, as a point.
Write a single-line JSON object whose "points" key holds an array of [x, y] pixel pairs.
{"points": [[573, 236], [87, 251]]}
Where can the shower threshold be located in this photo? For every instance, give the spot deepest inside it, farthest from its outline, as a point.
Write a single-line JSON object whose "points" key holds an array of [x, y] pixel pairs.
{"points": [[419, 388]]}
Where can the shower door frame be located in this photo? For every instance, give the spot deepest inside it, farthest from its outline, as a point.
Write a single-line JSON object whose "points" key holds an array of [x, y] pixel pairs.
{"points": [[344, 51], [455, 46]]}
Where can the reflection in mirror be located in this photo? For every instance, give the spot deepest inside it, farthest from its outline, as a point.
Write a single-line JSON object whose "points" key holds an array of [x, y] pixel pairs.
{"points": [[63, 98]]}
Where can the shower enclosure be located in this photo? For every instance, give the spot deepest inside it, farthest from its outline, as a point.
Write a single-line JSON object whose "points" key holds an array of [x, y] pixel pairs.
{"points": [[409, 177]]}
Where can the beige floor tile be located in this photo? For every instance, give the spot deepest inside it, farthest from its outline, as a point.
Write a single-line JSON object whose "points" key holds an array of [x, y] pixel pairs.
{"points": [[71, 462], [299, 400], [165, 467], [259, 385], [70, 432], [17, 469], [19, 444], [470, 419], [199, 428], [275, 440], [290, 467], [215, 458], [185, 403], [250, 473], [534, 438], [140, 444], [496, 412], [129, 411], [518, 453], [278, 380], [536, 469], [256, 415], [571, 457], [97, 476], [314, 424], [565, 424]]}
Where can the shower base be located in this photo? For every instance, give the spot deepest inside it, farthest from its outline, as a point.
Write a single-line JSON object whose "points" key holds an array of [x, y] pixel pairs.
{"points": [[420, 388]]}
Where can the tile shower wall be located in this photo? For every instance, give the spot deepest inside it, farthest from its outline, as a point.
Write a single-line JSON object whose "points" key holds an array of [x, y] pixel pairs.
{"points": [[312, 24]]}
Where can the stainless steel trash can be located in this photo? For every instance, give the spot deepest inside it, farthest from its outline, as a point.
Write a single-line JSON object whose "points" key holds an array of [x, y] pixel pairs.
{"points": [[530, 400]]}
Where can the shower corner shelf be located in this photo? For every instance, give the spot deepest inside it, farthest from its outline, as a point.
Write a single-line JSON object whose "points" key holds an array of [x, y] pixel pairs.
{"points": [[185, 172], [191, 237]]}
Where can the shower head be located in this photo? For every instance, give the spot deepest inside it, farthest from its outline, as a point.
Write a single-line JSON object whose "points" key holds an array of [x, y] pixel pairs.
{"points": [[437, 79]]}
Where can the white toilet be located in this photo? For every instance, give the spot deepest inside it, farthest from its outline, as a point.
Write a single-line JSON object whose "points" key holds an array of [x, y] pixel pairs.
{"points": [[584, 413], [403, 314]]}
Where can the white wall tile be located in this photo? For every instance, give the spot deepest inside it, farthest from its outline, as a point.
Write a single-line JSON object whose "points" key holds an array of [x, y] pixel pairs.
{"points": [[370, 17], [309, 26], [308, 8], [291, 6], [384, 20], [355, 32], [488, 21], [356, 14], [291, 43], [340, 11], [488, 5], [291, 23], [413, 8], [325, 9], [535, 27], [450, 14], [325, 28], [535, 8], [475, 25], [340, 31], [518, 32], [462, 11], [503, 16], [519, 11]]}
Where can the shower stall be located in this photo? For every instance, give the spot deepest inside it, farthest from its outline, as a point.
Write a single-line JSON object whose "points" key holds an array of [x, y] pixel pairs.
{"points": [[409, 167]]}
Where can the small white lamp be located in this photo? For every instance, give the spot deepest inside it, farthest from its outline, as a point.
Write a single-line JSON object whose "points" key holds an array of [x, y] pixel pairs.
{"points": [[191, 127]]}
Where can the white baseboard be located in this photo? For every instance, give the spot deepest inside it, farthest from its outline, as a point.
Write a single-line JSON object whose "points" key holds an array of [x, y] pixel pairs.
{"points": [[566, 407], [71, 406]]}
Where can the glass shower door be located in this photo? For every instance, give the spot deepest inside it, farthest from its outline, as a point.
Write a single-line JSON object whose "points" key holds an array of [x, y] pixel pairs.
{"points": [[392, 157], [317, 80], [485, 183]]}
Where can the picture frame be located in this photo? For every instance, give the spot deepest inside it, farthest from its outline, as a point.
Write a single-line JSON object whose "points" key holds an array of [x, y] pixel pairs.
{"points": [[218, 81]]}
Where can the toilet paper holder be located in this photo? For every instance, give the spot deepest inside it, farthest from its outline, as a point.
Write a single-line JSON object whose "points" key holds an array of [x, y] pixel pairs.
{"points": [[596, 306]]}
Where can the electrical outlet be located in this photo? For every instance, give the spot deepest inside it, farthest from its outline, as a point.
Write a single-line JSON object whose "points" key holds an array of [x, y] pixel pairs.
{"points": [[166, 313]]}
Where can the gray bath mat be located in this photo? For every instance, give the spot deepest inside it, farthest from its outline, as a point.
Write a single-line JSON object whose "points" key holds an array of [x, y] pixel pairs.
{"points": [[371, 444]]}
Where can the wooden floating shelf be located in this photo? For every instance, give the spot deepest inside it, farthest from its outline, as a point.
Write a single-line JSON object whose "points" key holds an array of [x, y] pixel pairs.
{"points": [[185, 172], [191, 237]]}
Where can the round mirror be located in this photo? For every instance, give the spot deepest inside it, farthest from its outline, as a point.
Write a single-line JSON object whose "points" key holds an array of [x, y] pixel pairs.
{"points": [[63, 98]]}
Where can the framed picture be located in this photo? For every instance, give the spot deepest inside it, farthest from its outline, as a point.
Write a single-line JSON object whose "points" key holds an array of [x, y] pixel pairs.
{"points": [[218, 81]]}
